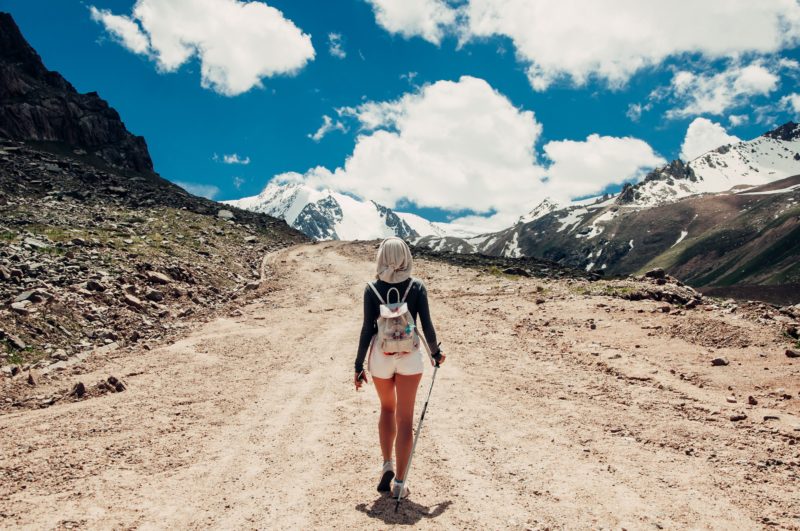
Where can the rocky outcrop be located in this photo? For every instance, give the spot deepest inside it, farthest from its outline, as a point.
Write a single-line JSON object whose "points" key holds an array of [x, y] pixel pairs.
{"points": [[787, 132], [37, 104], [318, 220], [394, 222], [677, 170]]}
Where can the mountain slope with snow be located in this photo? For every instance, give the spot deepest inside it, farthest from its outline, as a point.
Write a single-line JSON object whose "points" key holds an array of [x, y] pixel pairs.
{"points": [[719, 204], [328, 215], [772, 156]]}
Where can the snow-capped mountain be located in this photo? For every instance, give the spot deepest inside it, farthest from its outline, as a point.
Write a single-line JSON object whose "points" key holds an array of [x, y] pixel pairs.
{"points": [[329, 215], [772, 156], [542, 209], [737, 198]]}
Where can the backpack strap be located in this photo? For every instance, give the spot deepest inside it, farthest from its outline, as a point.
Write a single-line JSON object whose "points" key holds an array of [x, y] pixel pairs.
{"points": [[408, 289], [375, 291]]}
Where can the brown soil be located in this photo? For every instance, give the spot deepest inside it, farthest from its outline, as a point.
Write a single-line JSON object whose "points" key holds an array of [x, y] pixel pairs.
{"points": [[538, 419]]}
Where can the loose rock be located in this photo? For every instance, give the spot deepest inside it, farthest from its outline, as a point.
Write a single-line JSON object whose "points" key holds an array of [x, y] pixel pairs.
{"points": [[78, 390], [158, 278], [655, 273], [133, 301]]}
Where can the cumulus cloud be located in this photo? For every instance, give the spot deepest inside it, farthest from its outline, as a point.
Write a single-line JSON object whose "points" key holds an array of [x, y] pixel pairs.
{"points": [[126, 31], [635, 111], [429, 19], [791, 102], [238, 182], [233, 158], [716, 93], [237, 43], [209, 191], [576, 40], [703, 135], [328, 125], [582, 168], [738, 119], [463, 146], [336, 45]]}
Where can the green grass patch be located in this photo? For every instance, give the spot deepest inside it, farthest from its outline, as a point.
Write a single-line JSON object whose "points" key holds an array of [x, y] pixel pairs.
{"points": [[581, 290], [21, 357], [497, 272], [618, 291]]}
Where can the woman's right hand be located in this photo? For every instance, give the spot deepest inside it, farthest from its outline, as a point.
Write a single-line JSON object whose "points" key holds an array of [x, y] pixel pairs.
{"points": [[359, 379]]}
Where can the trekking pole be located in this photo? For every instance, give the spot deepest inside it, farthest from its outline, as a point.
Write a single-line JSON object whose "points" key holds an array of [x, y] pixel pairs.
{"points": [[419, 429]]}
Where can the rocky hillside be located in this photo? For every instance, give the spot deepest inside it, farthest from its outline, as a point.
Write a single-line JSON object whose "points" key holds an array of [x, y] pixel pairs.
{"points": [[37, 104], [96, 250], [328, 215]]}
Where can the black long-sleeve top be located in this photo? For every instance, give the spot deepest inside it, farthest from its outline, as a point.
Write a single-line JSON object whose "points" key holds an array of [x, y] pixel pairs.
{"points": [[417, 301]]}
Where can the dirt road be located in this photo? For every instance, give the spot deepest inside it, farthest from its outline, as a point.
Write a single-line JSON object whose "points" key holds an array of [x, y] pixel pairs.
{"points": [[577, 412]]}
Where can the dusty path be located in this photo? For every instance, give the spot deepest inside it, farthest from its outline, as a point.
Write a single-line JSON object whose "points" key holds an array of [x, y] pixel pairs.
{"points": [[538, 420]]}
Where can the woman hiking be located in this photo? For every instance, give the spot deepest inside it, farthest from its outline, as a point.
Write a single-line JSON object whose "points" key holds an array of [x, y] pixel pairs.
{"points": [[396, 374]]}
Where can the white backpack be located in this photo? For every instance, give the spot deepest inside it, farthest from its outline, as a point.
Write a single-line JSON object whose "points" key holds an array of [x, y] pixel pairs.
{"points": [[397, 333]]}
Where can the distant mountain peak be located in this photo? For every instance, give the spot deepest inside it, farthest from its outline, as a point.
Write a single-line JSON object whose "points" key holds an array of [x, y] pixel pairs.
{"points": [[329, 215], [547, 205]]}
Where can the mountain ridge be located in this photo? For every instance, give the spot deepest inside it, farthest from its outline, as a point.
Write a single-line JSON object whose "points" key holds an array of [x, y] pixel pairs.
{"points": [[37, 104], [330, 215]]}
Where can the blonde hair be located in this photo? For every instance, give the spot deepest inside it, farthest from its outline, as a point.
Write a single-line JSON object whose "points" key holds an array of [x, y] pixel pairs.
{"points": [[394, 262]]}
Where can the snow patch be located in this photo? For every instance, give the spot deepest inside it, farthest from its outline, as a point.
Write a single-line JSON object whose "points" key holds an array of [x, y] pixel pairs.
{"points": [[684, 233], [572, 219], [771, 192]]}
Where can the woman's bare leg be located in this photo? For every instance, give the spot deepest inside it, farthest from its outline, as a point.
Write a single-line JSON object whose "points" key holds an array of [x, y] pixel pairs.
{"points": [[386, 424], [406, 395]]}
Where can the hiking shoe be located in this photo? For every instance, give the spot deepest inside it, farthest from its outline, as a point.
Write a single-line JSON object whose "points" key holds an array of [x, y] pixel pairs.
{"points": [[397, 487], [387, 474]]}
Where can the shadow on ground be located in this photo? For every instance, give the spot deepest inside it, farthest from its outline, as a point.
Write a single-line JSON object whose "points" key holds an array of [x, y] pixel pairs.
{"points": [[409, 513]]}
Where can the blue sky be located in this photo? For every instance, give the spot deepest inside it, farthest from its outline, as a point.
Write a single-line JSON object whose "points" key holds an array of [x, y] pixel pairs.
{"points": [[186, 124]]}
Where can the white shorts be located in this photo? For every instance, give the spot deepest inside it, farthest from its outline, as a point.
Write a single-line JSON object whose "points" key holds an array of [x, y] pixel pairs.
{"points": [[385, 366]]}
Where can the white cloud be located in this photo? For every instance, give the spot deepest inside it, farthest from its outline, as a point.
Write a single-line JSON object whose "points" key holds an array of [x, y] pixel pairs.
{"points": [[209, 191], [428, 19], [233, 158], [789, 64], [328, 125], [336, 46], [716, 93], [738, 119], [582, 168], [237, 43], [703, 135], [461, 145], [238, 182], [123, 29], [635, 111], [791, 102], [611, 40]]}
